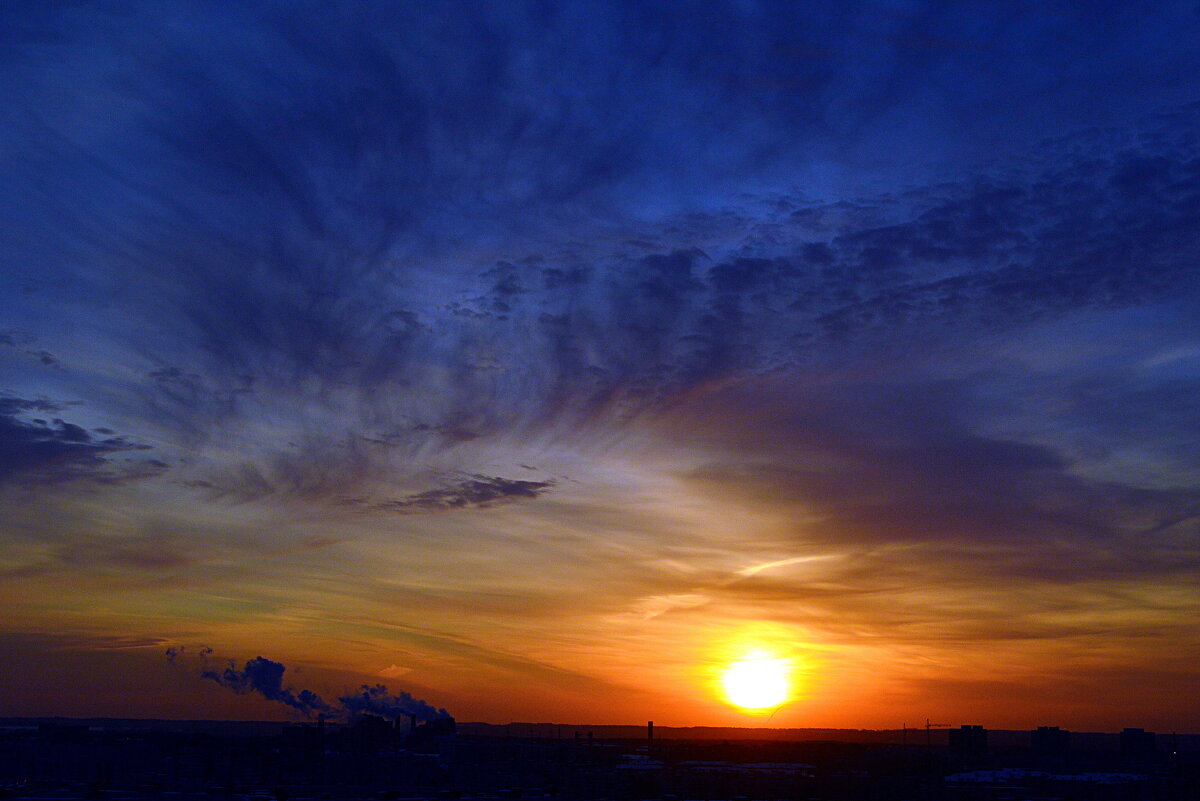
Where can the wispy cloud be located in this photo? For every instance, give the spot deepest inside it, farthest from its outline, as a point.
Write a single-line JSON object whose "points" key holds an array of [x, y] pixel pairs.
{"points": [[474, 491], [579, 334]]}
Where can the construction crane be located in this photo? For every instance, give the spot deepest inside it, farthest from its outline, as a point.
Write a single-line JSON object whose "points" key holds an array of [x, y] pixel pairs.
{"points": [[929, 726]]}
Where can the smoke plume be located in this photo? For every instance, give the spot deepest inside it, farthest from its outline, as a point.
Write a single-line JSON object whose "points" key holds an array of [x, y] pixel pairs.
{"points": [[265, 677], [376, 700]]}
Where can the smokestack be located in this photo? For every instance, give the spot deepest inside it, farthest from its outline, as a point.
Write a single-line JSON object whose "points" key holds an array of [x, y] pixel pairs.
{"points": [[650, 731]]}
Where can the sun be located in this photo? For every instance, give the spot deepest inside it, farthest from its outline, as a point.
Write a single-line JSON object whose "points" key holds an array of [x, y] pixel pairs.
{"points": [[759, 681]]}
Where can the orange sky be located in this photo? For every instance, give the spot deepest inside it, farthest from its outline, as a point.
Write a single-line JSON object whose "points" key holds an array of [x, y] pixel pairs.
{"points": [[573, 608]]}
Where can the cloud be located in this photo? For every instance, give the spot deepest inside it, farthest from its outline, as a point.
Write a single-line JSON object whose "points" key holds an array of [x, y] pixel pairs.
{"points": [[393, 671], [346, 349], [22, 340], [275, 286], [881, 462], [144, 553], [38, 452], [51, 643], [475, 491]]}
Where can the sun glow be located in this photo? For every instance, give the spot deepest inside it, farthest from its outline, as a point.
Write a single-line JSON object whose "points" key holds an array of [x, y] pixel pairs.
{"points": [[758, 682]]}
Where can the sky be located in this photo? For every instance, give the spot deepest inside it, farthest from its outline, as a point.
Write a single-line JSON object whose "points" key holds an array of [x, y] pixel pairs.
{"points": [[541, 360]]}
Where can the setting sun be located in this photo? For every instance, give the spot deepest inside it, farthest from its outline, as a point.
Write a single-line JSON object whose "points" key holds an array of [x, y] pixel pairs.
{"points": [[758, 682]]}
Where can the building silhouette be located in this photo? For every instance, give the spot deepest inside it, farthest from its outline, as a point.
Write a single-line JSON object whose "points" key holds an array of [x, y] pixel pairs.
{"points": [[1137, 747], [968, 743], [1050, 746]]}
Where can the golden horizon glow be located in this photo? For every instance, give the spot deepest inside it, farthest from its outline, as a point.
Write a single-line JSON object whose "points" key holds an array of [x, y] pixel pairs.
{"points": [[758, 682]]}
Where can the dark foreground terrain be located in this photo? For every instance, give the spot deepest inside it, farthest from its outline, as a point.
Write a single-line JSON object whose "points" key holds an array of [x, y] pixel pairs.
{"points": [[378, 759]]}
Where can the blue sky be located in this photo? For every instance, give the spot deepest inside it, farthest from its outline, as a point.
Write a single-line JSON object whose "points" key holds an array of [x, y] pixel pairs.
{"points": [[474, 346]]}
